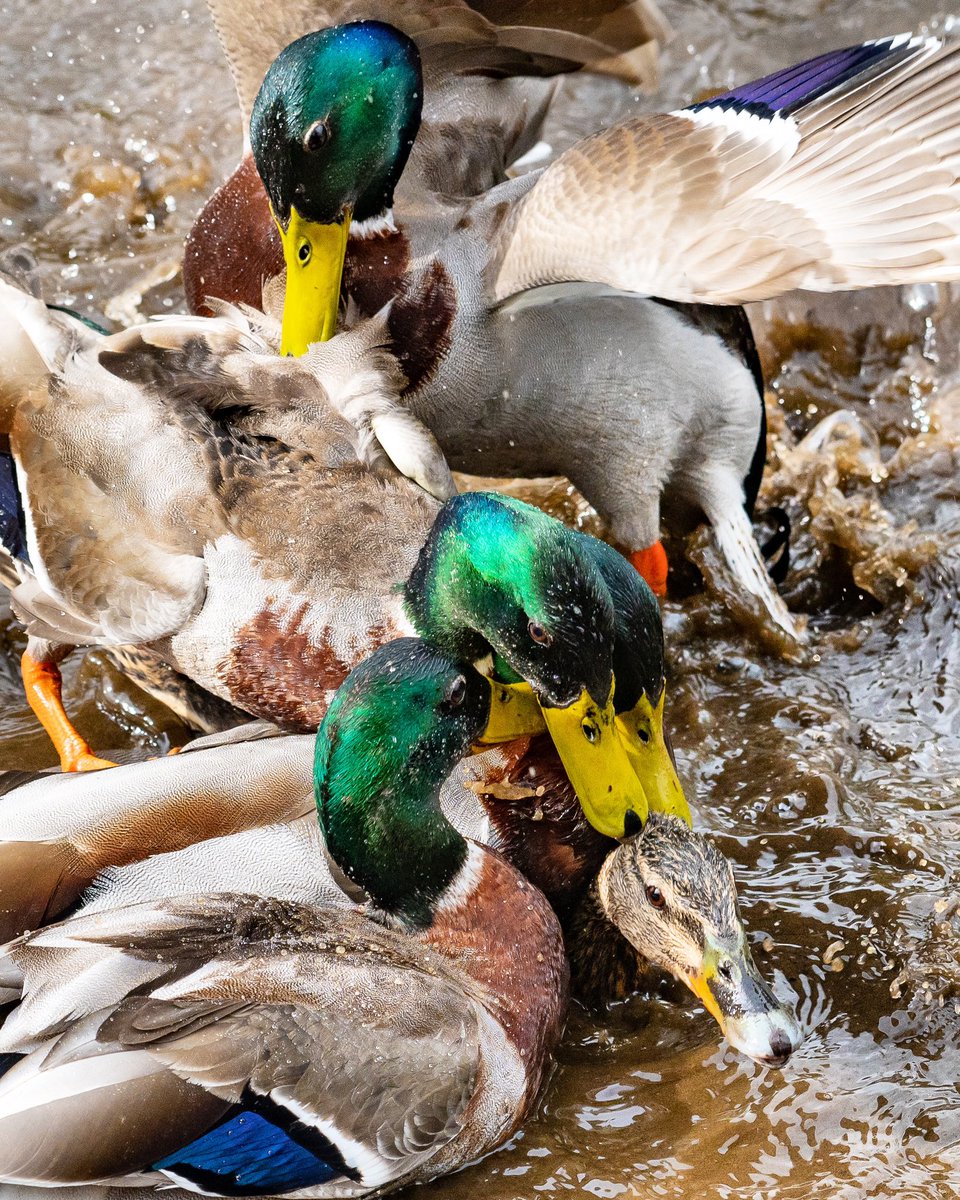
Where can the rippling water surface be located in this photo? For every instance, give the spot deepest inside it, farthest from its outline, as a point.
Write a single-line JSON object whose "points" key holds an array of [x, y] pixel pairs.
{"points": [[833, 783]]}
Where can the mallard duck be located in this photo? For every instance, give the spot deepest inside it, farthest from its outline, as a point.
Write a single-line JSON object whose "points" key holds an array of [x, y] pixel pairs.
{"points": [[234, 812], [387, 1024], [185, 488], [268, 1045], [511, 318]]}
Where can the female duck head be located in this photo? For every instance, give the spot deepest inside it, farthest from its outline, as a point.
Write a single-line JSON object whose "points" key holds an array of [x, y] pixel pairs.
{"points": [[497, 574], [331, 130], [671, 894], [394, 731]]}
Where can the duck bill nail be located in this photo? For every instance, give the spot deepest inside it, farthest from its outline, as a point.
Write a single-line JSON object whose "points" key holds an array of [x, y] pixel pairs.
{"points": [[314, 256], [514, 713], [646, 744], [744, 1006], [595, 760]]}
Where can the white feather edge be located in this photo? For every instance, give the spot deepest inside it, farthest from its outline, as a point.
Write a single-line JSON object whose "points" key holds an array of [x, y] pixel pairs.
{"points": [[414, 451], [778, 131], [28, 1086]]}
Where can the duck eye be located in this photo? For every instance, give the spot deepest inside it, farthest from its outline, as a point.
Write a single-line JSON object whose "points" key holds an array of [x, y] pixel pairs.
{"points": [[656, 897], [316, 136], [539, 634], [304, 252], [457, 692]]}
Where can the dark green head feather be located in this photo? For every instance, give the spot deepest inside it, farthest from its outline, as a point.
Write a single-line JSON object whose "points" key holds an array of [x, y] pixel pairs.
{"points": [[334, 121], [393, 733], [498, 574], [638, 650]]}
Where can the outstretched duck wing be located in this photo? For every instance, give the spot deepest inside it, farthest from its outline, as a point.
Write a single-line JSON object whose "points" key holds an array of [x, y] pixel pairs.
{"points": [[272, 1046], [839, 173]]}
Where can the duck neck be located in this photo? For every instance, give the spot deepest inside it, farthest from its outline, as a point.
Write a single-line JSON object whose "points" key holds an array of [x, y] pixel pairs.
{"points": [[382, 822], [604, 966]]}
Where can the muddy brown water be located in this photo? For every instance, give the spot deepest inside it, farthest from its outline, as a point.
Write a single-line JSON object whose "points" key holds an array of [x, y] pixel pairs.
{"points": [[832, 784]]}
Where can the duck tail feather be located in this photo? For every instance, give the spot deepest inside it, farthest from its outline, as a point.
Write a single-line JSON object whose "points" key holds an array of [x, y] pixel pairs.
{"points": [[722, 501], [45, 618]]}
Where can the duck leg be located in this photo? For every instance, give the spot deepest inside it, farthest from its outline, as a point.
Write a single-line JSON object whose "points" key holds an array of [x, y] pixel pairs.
{"points": [[652, 565], [42, 683]]}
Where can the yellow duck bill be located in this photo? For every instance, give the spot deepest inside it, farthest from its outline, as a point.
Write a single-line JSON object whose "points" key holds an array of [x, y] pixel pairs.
{"points": [[742, 1003], [646, 744], [314, 256], [595, 758], [514, 713]]}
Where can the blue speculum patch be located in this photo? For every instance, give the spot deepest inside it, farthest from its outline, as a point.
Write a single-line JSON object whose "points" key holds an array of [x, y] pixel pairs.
{"points": [[247, 1155], [13, 525]]}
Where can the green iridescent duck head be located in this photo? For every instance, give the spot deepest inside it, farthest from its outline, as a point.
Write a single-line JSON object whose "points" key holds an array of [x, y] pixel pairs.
{"points": [[394, 731], [331, 130], [497, 576]]}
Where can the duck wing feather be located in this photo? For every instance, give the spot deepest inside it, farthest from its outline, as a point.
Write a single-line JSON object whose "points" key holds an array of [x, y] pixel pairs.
{"points": [[360, 1034], [57, 832], [839, 173]]}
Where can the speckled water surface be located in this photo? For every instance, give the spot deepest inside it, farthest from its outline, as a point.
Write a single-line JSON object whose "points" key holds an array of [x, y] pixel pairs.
{"points": [[832, 783]]}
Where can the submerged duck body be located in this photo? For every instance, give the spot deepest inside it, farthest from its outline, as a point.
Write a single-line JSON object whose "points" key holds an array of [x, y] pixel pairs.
{"points": [[558, 359]]}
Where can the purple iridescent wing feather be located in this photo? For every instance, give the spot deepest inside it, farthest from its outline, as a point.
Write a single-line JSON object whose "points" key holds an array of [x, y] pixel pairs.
{"points": [[785, 91]]}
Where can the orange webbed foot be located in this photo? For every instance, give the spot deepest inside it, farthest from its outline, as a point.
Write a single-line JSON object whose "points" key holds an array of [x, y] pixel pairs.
{"points": [[42, 683], [83, 760], [652, 565]]}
